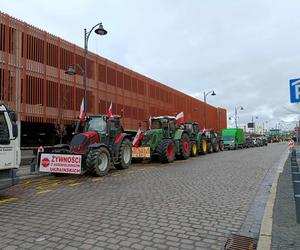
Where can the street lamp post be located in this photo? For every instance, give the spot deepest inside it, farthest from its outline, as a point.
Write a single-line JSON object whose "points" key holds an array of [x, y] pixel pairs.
{"points": [[212, 92], [71, 69], [235, 115]]}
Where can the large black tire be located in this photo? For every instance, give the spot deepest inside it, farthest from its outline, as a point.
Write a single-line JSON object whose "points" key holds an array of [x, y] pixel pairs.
{"points": [[166, 150], [216, 147], [221, 145], [60, 151], [98, 162], [184, 146], [194, 149], [124, 155], [203, 146], [210, 148]]}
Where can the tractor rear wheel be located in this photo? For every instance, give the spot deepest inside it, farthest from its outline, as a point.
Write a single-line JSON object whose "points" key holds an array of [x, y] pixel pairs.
{"points": [[210, 148], [184, 146], [216, 147], [203, 146], [194, 149], [124, 155], [166, 150], [98, 162]]}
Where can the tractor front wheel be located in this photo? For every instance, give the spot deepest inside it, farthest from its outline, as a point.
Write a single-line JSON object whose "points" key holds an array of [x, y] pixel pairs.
{"points": [[203, 146], [98, 162], [194, 149], [185, 147], [124, 155], [221, 145], [166, 150]]}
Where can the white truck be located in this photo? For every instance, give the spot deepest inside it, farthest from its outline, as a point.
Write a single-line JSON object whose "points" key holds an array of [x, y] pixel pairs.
{"points": [[10, 153]]}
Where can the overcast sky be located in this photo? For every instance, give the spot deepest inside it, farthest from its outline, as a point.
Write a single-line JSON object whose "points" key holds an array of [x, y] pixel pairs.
{"points": [[245, 50]]}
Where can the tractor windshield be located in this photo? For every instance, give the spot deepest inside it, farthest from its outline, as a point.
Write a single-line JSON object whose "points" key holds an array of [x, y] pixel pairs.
{"points": [[95, 124], [189, 127], [155, 124]]}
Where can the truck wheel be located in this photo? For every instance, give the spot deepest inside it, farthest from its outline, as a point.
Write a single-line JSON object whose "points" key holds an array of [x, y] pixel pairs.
{"points": [[184, 147], [221, 146], [125, 155], [194, 149], [166, 150], [210, 148], [203, 146], [98, 162]]}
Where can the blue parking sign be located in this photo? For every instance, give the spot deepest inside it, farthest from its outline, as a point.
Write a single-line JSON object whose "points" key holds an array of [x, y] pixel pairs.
{"points": [[295, 90]]}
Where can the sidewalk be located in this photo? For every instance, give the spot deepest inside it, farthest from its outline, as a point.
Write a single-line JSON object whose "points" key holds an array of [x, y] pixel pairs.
{"points": [[285, 230]]}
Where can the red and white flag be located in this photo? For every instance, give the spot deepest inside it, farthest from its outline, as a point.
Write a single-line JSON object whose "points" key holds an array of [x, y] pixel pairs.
{"points": [[204, 131], [81, 114], [109, 112], [150, 125], [137, 138], [180, 118]]}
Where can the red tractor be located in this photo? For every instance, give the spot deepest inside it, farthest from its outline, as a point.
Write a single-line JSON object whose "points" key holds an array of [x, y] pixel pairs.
{"points": [[101, 142]]}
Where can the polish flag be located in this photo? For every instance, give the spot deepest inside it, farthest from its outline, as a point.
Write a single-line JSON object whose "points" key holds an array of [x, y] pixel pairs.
{"points": [[81, 114], [137, 138], [150, 125], [109, 112], [204, 131], [180, 118]]}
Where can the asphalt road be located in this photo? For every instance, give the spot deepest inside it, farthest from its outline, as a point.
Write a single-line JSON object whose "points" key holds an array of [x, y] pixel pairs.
{"points": [[193, 204]]}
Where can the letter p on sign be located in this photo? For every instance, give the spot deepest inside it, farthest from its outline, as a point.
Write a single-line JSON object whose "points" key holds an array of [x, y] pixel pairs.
{"points": [[295, 90]]}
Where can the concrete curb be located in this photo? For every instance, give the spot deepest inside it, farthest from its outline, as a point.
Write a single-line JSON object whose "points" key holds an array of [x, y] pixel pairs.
{"points": [[265, 234]]}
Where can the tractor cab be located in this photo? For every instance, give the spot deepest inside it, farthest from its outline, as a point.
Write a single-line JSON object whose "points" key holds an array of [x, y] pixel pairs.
{"points": [[166, 123], [192, 128]]}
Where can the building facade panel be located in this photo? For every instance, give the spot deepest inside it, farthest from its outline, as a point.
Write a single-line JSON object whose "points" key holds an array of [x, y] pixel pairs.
{"points": [[33, 81]]}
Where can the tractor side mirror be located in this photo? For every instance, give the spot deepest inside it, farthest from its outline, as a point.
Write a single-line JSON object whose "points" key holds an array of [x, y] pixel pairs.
{"points": [[15, 130]]}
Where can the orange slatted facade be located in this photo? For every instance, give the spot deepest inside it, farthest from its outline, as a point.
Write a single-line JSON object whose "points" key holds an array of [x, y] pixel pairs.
{"points": [[33, 81]]}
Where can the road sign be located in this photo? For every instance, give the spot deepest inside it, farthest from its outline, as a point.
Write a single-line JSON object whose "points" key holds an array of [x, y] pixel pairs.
{"points": [[291, 144], [295, 90]]}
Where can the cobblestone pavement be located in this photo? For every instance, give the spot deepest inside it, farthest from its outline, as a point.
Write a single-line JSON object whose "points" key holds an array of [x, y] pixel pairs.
{"points": [[193, 204]]}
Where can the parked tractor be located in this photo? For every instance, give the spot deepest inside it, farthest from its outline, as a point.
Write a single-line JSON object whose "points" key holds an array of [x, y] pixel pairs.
{"points": [[197, 138], [214, 141], [166, 140], [101, 143]]}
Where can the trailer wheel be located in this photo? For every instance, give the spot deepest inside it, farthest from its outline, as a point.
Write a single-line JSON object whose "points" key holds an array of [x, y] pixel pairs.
{"points": [[166, 150], [125, 155], [194, 149], [185, 146], [98, 162]]}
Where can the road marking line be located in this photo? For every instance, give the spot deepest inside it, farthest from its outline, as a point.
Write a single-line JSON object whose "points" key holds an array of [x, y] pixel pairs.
{"points": [[97, 179], [8, 200], [44, 191], [74, 184]]}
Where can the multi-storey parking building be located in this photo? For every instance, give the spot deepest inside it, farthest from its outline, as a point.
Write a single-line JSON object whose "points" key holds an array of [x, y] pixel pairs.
{"points": [[33, 82]]}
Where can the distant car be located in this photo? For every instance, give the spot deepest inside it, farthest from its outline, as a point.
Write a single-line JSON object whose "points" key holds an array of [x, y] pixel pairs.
{"points": [[249, 142], [259, 142], [265, 141]]}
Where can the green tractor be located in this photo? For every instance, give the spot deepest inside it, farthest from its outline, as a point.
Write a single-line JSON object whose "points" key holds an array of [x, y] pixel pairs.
{"points": [[197, 138], [100, 142], [214, 141], [166, 140]]}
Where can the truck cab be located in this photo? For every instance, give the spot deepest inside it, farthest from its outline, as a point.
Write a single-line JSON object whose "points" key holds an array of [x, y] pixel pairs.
{"points": [[10, 153]]}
